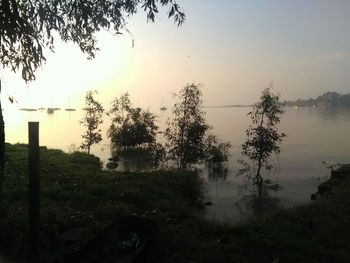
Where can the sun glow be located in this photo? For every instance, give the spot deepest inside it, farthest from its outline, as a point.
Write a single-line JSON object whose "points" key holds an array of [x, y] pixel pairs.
{"points": [[67, 74]]}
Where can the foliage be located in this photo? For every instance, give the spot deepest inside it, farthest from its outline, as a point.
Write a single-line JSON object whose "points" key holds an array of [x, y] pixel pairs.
{"points": [[131, 127], [216, 151], [91, 120], [77, 194], [158, 152], [328, 99], [185, 133], [188, 141], [263, 139], [28, 27]]}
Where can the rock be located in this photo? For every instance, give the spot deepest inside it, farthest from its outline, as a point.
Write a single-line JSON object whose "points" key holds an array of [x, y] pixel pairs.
{"points": [[326, 189], [345, 167], [338, 174], [313, 197], [112, 165]]}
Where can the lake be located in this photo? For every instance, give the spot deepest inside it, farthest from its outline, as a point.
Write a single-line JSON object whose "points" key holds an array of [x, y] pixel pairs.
{"points": [[314, 135]]}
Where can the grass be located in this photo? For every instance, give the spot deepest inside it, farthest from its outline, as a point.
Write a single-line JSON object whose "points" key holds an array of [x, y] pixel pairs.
{"points": [[76, 193]]}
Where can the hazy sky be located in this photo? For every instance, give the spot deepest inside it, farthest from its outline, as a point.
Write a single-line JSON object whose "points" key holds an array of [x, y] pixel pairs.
{"points": [[233, 47]]}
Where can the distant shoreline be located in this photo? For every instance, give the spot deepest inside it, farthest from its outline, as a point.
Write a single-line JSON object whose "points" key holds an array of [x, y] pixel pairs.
{"points": [[229, 106], [286, 106]]}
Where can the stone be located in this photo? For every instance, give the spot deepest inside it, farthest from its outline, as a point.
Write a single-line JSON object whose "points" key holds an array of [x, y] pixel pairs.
{"points": [[313, 197], [112, 165]]}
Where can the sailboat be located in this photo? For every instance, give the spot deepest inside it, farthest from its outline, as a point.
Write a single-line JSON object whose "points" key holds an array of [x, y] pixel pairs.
{"points": [[51, 110], [69, 108], [28, 109]]}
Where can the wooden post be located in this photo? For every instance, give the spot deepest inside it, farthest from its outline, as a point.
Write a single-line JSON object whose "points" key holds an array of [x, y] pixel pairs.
{"points": [[33, 191], [2, 149]]}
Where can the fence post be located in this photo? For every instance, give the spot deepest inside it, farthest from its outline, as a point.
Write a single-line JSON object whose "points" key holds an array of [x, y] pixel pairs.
{"points": [[33, 191]]}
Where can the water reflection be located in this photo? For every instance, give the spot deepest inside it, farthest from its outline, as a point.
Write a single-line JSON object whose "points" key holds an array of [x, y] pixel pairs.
{"points": [[232, 203], [252, 207], [217, 172], [332, 114], [134, 160]]}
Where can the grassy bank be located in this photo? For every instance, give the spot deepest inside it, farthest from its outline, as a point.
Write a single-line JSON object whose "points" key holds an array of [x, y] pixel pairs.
{"points": [[77, 195]]}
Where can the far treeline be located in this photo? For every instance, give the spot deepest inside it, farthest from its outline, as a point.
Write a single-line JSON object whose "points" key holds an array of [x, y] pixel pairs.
{"points": [[328, 99]]}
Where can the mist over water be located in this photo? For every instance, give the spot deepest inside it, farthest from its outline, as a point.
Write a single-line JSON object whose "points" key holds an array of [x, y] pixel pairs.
{"points": [[314, 135]]}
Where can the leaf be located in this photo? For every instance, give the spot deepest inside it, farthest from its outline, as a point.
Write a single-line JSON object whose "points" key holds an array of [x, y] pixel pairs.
{"points": [[171, 12]]}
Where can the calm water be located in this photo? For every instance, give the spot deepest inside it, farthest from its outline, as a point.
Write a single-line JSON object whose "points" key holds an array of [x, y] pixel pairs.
{"points": [[314, 135]]}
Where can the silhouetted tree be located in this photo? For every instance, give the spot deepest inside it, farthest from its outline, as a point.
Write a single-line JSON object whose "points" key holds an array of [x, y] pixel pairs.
{"points": [[131, 127], [263, 139], [216, 151], [186, 132], [29, 27], [91, 120]]}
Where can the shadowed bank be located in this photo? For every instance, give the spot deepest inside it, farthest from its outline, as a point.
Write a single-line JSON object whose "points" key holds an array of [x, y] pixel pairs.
{"points": [[80, 202]]}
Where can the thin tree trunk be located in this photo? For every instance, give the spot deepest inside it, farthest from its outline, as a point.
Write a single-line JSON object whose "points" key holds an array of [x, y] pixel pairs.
{"points": [[258, 175], [182, 134], [260, 181], [2, 148], [89, 142]]}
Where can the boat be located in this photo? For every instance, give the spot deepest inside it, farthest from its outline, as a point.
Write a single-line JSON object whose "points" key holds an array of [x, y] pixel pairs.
{"points": [[112, 165], [28, 109], [69, 108]]}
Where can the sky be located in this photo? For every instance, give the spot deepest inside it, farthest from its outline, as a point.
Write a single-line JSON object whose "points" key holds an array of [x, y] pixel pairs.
{"points": [[234, 48]]}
